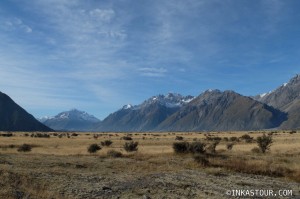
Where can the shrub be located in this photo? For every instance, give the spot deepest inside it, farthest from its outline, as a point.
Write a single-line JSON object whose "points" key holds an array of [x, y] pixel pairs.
{"points": [[233, 139], [126, 138], [201, 159], [93, 148], [24, 148], [179, 138], [106, 143], [229, 146], [247, 138], [114, 154], [74, 134], [40, 135], [212, 147], [197, 147], [264, 142], [255, 150], [131, 146], [6, 134], [181, 147]]}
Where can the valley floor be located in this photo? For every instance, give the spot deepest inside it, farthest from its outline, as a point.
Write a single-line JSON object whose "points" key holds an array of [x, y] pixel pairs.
{"points": [[147, 173]]}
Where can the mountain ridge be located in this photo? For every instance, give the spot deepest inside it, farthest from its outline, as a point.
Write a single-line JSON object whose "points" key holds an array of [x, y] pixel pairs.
{"points": [[14, 118]]}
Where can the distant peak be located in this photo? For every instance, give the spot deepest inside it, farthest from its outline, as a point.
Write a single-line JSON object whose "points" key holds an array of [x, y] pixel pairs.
{"points": [[212, 91], [295, 79], [127, 106]]}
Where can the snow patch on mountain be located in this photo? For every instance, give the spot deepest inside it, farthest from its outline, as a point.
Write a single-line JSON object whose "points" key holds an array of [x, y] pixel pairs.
{"points": [[73, 114]]}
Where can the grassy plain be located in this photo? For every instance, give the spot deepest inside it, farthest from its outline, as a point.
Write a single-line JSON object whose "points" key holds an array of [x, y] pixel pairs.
{"points": [[63, 168]]}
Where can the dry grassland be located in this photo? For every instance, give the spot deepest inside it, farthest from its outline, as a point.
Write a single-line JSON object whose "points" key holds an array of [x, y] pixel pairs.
{"points": [[63, 168]]}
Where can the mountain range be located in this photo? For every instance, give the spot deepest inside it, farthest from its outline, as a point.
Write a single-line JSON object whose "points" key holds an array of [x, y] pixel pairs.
{"points": [[212, 110]]}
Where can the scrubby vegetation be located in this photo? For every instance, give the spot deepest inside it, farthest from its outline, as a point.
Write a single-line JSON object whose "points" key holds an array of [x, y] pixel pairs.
{"points": [[106, 143], [264, 142], [24, 148], [114, 154], [93, 148], [131, 146], [181, 147]]}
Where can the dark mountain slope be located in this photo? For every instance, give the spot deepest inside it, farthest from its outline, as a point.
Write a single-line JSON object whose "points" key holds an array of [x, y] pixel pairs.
{"points": [[216, 110], [146, 116], [15, 118]]}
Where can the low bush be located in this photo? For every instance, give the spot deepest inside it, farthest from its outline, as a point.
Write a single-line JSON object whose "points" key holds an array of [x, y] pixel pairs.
{"points": [[197, 147], [229, 146], [24, 148], [93, 148], [40, 135], [114, 154], [264, 142], [181, 147], [131, 146], [126, 138], [179, 138], [106, 143], [212, 147]]}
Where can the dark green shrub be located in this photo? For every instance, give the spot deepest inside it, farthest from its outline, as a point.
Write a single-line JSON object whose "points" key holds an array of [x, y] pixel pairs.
{"points": [[106, 143], [179, 138], [212, 147], [229, 146], [24, 148], [264, 142], [233, 139], [247, 138], [93, 148], [197, 147], [126, 138], [181, 147], [131, 146], [114, 154]]}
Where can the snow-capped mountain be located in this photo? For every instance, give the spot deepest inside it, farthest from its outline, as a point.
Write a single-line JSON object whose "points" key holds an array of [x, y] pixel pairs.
{"points": [[44, 118], [216, 110], [145, 116], [170, 100], [287, 99], [73, 120]]}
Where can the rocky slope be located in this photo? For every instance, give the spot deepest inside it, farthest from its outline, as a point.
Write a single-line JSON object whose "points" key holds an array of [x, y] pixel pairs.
{"points": [[216, 110]]}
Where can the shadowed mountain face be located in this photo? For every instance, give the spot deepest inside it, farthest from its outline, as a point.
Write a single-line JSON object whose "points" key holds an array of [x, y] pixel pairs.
{"points": [[212, 110], [146, 116], [15, 118], [73, 120], [287, 99], [216, 110]]}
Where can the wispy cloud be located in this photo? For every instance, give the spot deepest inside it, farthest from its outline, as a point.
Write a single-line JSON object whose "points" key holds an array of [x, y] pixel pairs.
{"points": [[13, 24], [73, 52], [153, 72]]}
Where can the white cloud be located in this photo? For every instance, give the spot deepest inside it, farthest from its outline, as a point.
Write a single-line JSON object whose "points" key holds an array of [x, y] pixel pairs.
{"points": [[103, 15], [16, 24], [153, 72]]}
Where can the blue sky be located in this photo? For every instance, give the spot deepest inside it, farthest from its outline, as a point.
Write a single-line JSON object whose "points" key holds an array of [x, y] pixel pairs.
{"points": [[99, 55]]}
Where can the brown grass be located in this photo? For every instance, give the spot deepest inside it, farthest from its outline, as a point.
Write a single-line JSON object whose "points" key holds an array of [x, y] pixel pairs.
{"points": [[155, 154]]}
